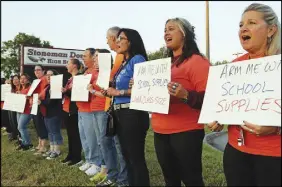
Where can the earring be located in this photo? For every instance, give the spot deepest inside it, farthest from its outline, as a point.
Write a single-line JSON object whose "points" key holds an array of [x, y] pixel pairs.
{"points": [[269, 39]]}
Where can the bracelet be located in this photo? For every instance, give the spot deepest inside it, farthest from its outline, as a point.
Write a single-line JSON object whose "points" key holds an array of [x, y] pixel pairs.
{"points": [[185, 100]]}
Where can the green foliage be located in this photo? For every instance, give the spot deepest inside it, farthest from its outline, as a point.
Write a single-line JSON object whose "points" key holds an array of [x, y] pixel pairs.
{"points": [[10, 51], [161, 53], [221, 62]]}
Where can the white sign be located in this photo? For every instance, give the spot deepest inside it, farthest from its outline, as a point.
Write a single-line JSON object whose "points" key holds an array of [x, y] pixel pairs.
{"points": [[149, 92], [56, 84], [104, 60], [5, 88], [49, 56], [34, 108], [79, 90], [15, 102], [33, 86], [244, 91]]}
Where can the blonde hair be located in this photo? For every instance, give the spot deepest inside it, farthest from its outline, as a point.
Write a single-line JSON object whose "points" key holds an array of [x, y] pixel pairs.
{"points": [[270, 17]]}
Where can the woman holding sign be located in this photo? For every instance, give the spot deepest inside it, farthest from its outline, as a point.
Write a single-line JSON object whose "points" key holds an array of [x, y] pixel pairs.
{"points": [[70, 116], [38, 119], [25, 117], [178, 136], [252, 156], [132, 125], [52, 119]]}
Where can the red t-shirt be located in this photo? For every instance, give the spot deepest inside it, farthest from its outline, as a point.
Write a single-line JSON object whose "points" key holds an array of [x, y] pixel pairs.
{"points": [[27, 107], [269, 145], [192, 74], [96, 103], [85, 106]]}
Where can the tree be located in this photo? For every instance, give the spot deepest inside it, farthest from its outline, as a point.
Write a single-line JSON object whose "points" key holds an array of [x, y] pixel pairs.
{"points": [[161, 53], [10, 51], [221, 62]]}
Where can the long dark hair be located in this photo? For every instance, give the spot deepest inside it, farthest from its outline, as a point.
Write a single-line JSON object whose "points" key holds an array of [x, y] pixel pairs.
{"points": [[12, 84], [136, 43], [190, 46], [28, 78]]}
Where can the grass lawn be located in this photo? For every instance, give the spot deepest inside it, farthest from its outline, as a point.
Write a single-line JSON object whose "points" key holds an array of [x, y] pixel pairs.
{"points": [[22, 168]]}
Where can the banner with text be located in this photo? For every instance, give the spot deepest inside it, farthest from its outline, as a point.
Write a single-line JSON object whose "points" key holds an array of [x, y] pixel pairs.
{"points": [[49, 56], [244, 91], [149, 92]]}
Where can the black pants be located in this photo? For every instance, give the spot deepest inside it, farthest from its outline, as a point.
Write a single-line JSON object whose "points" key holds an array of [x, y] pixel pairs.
{"points": [[242, 169], [132, 127], [5, 121], [40, 127], [74, 143], [13, 124], [180, 157]]}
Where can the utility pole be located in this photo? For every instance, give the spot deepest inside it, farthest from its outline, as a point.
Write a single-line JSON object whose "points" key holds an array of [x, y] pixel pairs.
{"points": [[207, 31]]}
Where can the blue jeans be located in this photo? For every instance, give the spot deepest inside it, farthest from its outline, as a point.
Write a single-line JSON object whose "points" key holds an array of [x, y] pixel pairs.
{"points": [[122, 176], [89, 139], [53, 126], [109, 147], [24, 119]]}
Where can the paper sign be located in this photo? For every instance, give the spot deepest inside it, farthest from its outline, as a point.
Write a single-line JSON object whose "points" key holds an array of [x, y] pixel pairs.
{"points": [[244, 91], [56, 84], [149, 92], [5, 89], [79, 90], [34, 108], [104, 60], [14, 102], [33, 86]]}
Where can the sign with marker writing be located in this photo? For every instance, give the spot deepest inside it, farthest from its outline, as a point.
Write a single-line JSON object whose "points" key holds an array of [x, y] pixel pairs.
{"points": [[149, 92], [248, 90]]}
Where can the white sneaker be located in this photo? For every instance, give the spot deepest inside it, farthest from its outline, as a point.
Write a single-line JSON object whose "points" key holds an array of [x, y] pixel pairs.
{"points": [[93, 170], [85, 166]]}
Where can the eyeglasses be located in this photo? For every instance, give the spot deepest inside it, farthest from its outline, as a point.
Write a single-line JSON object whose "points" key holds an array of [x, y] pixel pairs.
{"points": [[121, 38]]}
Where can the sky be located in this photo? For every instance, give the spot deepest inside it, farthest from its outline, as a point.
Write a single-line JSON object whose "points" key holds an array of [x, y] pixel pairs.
{"points": [[83, 24]]}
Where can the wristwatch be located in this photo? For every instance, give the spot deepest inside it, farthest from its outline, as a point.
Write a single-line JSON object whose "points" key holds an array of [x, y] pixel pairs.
{"points": [[93, 91], [121, 92]]}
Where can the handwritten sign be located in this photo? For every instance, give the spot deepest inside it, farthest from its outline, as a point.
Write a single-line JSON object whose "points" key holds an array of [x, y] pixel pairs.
{"points": [[104, 60], [15, 102], [33, 86], [56, 84], [5, 89], [244, 91], [79, 90], [149, 92]]}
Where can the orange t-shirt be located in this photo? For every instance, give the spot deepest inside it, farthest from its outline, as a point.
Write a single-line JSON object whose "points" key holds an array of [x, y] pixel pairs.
{"points": [[27, 107], [85, 106], [96, 103], [269, 145], [192, 74], [118, 61]]}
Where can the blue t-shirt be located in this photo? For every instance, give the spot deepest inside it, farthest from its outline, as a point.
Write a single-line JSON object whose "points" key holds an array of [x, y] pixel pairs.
{"points": [[123, 78]]}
